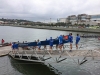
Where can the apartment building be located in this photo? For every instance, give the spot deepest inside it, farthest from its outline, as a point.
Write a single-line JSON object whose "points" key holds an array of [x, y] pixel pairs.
{"points": [[62, 20], [72, 19], [82, 19]]}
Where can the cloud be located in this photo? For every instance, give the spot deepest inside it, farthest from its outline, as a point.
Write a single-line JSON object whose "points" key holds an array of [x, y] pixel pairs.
{"points": [[40, 10]]}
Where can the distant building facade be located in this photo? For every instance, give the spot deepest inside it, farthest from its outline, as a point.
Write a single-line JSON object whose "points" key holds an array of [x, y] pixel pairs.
{"points": [[1, 22], [62, 20], [82, 19], [72, 19]]}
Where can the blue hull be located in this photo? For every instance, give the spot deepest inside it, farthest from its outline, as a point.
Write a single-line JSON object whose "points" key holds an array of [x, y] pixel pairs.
{"points": [[42, 43]]}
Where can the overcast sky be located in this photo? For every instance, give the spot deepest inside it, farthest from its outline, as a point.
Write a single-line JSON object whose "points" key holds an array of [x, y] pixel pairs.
{"points": [[43, 10]]}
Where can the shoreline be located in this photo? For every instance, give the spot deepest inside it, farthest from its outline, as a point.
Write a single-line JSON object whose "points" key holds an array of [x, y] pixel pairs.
{"points": [[58, 28]]}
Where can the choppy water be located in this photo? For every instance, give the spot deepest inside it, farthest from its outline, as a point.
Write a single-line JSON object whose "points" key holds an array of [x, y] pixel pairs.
{"points": [[10, 67]]}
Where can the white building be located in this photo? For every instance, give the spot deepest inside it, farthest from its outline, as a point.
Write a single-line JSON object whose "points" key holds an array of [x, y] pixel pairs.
{"points": [[81, 19], [1, 22], [62, 20], [73, 19], [88, 19]]}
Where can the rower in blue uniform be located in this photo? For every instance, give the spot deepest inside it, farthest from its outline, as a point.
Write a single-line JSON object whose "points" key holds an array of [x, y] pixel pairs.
{"points": [[57, 44], [13, 47], [71, 41], [51, 44], [77, 40], [34, 47], [45, 47], [39, 44], [16, 46], [60, 42]]}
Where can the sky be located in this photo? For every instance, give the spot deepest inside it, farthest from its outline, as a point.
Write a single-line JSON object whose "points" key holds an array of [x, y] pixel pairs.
{"points": [[46, 10]]}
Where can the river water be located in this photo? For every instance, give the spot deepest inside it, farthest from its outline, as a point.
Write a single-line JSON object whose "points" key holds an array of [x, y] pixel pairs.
{"points": [[11, 67]]}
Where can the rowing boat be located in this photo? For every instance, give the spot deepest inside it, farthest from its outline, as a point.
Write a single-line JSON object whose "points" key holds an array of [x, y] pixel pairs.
{"points": [[46, 42]]}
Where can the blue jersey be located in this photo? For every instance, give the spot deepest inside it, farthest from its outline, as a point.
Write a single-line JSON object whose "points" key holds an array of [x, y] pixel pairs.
{"points": [[77, 39], [71, 39], [51, 42], [16, 46], [60, 39], [39, 44], [13, 46]]}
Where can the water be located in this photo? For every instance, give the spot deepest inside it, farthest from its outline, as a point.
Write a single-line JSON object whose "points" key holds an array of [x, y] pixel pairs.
{"points": [[10, 67]]}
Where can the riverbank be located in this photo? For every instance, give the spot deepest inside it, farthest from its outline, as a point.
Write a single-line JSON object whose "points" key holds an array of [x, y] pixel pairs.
{"points": [[59, 28]]}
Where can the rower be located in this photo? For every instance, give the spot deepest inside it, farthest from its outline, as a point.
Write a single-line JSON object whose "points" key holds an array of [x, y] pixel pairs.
{"points": [[57, 44], [77, 40], [34, 47], [60, 42], [39, 44], [51, 44], [45, 47], [13, 47], [71, 41], [16, 46]]}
